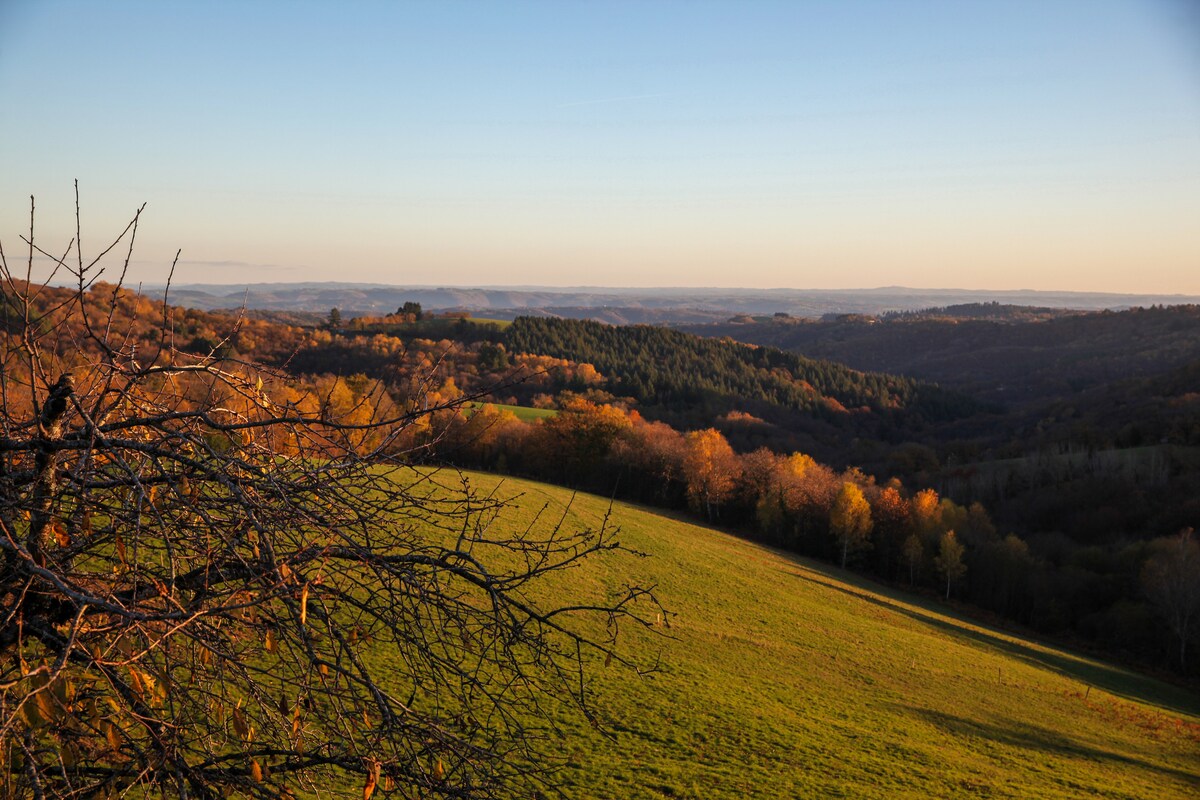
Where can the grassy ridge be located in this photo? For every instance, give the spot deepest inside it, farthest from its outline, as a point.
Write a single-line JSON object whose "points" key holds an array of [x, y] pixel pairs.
{"points": [[787, 678]]}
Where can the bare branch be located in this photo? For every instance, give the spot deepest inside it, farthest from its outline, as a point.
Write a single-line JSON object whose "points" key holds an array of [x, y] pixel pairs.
{"points": [[221, 579]]}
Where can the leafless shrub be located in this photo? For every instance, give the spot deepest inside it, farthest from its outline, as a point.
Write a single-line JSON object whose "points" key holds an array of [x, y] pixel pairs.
{"points": [[214, 583]]}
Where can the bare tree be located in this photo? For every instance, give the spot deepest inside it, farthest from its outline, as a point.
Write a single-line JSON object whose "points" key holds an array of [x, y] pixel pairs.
{"points": [[214, 583], [1171, 579], [914, 554]]}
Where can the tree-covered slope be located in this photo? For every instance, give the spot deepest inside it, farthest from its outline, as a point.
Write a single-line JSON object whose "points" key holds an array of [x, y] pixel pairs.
{"points": [[1008, 360], [684, 376]]}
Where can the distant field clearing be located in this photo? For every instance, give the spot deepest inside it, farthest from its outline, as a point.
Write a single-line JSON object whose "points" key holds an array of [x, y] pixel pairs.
{"points": [[523, 413]]}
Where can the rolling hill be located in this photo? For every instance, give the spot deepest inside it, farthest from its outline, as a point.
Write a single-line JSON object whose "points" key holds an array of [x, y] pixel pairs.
{"points": [[781, 677], [691, 382], [1012, 361], [658, 304]]}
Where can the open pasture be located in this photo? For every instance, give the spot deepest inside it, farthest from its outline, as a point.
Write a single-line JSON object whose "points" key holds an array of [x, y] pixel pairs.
{"points": [[782, 677]]}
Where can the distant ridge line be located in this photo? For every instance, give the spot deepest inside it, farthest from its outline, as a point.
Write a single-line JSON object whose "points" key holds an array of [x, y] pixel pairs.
{"points": [[379, 298]]}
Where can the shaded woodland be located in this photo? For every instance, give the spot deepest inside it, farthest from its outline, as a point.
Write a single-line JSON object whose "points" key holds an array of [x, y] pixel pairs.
{"points": [[1006, 354], [759, 396]]}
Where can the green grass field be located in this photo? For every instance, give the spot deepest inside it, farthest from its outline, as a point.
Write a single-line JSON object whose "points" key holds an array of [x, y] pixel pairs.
{"points": [[500, 323], [786, 678], [523, 413]]}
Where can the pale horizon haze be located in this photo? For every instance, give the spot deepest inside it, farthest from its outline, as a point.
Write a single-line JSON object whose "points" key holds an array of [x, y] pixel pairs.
{"points": [[1049, 145]]}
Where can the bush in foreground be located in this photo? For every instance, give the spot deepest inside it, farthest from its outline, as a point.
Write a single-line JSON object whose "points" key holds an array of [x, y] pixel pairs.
{"points": [[218, 582]]}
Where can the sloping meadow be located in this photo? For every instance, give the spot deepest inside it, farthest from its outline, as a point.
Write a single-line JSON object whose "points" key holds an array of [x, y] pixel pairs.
{"points": [[772, 676]]}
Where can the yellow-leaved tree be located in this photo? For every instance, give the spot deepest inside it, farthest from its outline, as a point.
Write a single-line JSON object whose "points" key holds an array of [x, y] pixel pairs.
{"points": [[850, 520], [710, 469], [949, 560]]}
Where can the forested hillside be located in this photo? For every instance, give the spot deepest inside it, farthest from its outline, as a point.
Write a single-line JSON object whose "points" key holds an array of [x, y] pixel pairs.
{"points": [[660, 366], [691, 382], [1010, 357], [1097, 414]]}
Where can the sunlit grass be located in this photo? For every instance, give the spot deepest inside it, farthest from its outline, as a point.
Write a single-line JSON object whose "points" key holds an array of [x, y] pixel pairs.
{"points": [[523, 413], [782, 677]]}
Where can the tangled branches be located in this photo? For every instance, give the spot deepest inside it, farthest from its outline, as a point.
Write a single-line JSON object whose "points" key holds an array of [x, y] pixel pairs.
{"points": [[215, 583]]}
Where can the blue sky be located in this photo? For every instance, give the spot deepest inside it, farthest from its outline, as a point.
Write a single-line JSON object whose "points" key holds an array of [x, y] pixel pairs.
{"points": [[1008, 144]]}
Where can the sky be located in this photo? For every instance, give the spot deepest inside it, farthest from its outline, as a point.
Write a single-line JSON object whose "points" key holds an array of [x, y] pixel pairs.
{"points": [[968, 144]]}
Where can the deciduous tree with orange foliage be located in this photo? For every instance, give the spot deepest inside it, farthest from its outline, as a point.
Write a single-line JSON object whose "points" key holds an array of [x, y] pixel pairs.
{"points": [[576, 441], [710, 468]]}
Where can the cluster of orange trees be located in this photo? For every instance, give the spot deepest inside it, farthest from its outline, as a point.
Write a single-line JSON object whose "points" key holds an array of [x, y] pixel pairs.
{"points": [[791, 500], [1137, 597]]}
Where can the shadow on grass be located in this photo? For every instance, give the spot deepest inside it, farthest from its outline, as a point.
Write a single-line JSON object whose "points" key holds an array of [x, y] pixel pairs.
{"points": [[1115, 680], [1042, 740], [1112, 679]]}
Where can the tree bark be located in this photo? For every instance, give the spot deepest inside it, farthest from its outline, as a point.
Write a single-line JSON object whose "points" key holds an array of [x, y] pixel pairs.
{"points": [[45, 466]]}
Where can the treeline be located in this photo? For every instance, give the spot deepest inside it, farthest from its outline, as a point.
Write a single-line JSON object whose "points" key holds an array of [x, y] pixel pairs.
{"points": [[1001, 312], [757, 397], [1094, 428], [1115, 597], [661, 366]]}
